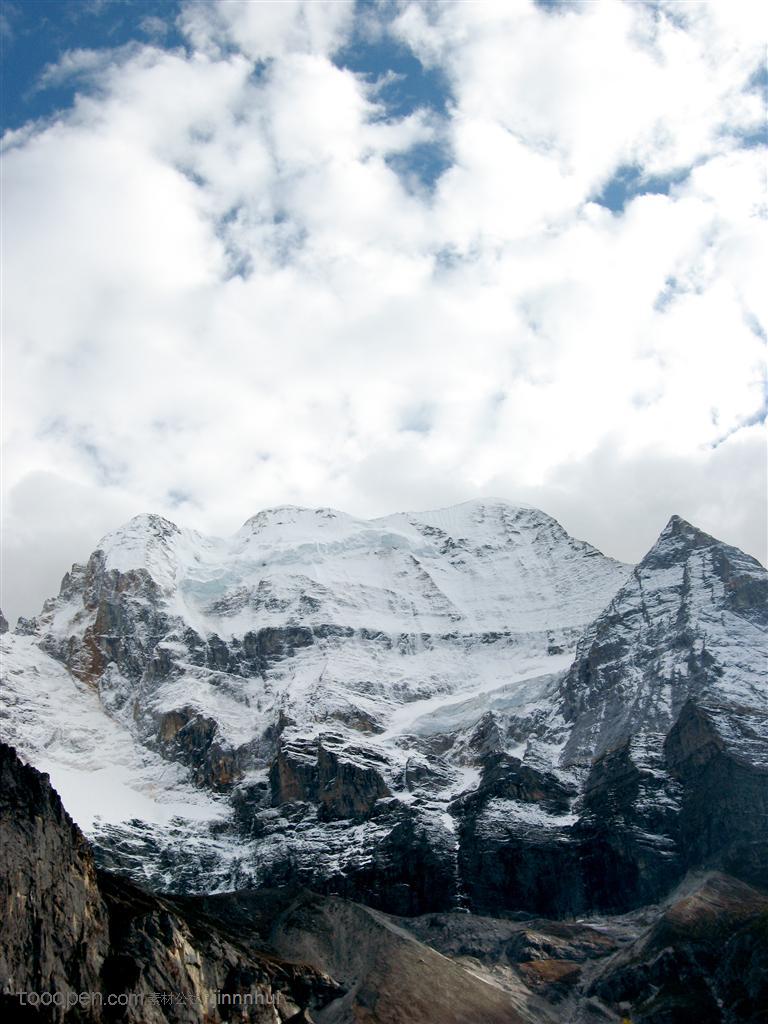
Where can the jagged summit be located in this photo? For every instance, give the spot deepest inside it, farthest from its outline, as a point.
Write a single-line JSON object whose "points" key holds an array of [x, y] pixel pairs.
{"points": [[680, 540], [679, 537], [152, 543], [145, 524], [691, 620]]}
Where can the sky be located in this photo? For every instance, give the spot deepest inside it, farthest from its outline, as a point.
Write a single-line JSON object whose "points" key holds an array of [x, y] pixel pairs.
{"points": [[380, 256]]}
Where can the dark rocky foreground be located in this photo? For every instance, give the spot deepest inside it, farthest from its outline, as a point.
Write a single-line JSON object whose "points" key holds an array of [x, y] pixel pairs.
{"points": [[67, 929], [701, 955]]}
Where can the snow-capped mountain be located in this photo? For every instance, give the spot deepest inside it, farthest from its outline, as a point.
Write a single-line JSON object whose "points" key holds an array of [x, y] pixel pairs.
{"points": [[405, 709], [689, 623]]}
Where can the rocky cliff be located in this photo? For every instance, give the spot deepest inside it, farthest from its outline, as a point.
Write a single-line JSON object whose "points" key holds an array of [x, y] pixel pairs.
{"points": [[66, 929], [55, 922]]}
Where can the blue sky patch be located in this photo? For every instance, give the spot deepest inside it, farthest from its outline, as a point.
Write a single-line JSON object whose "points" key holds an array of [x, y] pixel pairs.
{"points": [[555, 6], [629, 182], [36, 34], [752, 322], [402, 85], [421, 165], [666, 296], [405, 85]]}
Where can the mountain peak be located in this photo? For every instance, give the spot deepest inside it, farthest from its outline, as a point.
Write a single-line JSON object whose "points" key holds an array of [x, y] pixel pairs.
{"points": [[494, 514], [147, 541], [146, 524], [679, 527], [679, 627], [489, 503], [282, 515], [680, 539]]}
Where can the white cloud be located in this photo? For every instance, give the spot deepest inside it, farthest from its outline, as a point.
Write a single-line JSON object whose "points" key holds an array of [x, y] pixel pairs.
{"points": [[269, 28], [220, 295]]}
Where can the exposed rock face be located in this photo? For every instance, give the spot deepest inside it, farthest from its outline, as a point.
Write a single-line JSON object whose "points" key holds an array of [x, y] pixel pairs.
{"points": [[411, 870], [628, 830], [557, 846], [64, 929], [156, 949], [346, 787], [55, 934], [120, 623], [3, 623], [514, 848], [719, 757], [705, 958], [190, 738]]}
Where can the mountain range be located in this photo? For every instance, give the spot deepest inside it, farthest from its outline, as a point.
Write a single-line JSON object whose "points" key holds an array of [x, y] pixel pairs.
{"points": [[428, 730]]}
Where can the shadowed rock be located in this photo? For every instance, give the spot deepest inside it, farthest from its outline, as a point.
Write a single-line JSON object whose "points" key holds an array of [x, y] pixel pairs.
{"points": [[66, 929]]}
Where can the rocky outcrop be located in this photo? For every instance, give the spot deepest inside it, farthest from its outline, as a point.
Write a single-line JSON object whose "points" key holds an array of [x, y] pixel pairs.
{"points": [[3, 623], [628, 828], [514, 849], [550, 957], [191, 738], [411, 869], [341, 787], [54, 921], [142, 959], [157, 948], [705, 958], [646, 812], [119, 621], [718, 755]]}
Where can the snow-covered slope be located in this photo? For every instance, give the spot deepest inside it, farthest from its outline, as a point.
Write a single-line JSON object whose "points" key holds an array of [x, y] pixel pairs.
{"points": [[478, 566], [387, 618], [115, 786]]}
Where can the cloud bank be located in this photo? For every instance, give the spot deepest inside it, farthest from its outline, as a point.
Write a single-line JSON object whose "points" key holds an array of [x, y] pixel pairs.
{"points": [[238, 274]]}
